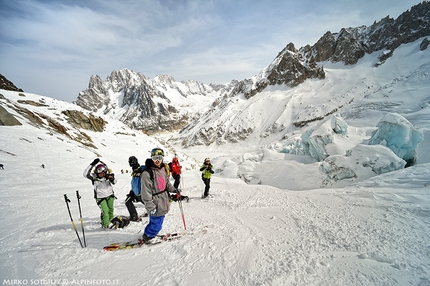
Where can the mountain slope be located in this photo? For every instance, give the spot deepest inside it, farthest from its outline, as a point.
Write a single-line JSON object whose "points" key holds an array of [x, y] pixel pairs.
{"points": [[371, 233]]}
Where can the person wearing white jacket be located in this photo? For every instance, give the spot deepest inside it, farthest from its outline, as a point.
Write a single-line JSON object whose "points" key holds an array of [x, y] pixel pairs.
{"points": [[102, 182]]}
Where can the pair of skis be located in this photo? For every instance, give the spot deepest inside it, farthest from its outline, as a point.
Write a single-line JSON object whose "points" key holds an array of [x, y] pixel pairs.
{"points": [[140, 242], [160, 238], [80, 218]]}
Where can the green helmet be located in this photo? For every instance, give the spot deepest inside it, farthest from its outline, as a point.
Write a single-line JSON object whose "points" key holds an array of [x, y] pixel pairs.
{"points": [[157, 151]]}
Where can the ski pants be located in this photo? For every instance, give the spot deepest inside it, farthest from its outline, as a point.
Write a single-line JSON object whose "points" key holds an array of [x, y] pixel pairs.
{"points": [[177, 180], [106, 207], [131, 197], [207, 186], [154, 225]]}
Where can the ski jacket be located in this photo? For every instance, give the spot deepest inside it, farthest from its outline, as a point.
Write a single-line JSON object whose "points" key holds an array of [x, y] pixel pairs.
{"points": [[102, 186], [155, 188], [135, 181], [175, 167], [207, 171]]}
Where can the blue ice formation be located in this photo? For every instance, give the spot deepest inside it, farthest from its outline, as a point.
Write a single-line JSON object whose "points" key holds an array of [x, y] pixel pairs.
{"points": [[398, 134]]}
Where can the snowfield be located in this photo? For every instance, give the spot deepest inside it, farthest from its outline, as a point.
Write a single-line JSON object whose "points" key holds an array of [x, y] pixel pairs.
{"points": [[373, 233]]}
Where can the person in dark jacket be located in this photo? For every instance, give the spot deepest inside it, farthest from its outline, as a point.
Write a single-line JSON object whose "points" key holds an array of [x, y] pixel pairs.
{"points": [[134, 195], [155, 188], [207, 171]]}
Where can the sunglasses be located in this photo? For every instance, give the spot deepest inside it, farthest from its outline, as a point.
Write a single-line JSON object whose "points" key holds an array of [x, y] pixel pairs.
{"points": [[157, 158]]}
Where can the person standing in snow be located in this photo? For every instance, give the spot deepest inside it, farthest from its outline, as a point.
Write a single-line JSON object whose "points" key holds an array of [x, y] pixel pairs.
{"points": [[102, 182], [207, 171], [175, 168], [155, 188], [134, 195]]}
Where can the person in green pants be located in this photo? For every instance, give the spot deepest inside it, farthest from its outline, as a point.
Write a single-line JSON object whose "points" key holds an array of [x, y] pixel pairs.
{"points": [[102, 181]]}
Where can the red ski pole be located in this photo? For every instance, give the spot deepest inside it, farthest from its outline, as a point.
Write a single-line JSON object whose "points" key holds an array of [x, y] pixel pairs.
{"points": [[182, 212]]}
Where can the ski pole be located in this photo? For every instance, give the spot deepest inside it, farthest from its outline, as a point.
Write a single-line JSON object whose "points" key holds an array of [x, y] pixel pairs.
{"points": [[73, 223], [80, 217], [182, 212]]}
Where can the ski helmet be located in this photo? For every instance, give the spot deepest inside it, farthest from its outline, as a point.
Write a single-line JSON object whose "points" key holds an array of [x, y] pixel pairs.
{"points": [[101, 168], [157, 151], [132, 161]]}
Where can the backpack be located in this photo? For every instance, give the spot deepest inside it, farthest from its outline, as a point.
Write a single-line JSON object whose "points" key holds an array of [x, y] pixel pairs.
{"points": [[135, 182], [119, 222]]}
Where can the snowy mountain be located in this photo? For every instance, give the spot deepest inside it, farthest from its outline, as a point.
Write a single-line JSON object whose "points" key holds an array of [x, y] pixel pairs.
{"points": [[152, 105], [163, 104]]}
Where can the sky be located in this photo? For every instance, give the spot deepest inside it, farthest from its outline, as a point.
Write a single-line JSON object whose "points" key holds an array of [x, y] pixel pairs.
{"points": [[53, 47]]}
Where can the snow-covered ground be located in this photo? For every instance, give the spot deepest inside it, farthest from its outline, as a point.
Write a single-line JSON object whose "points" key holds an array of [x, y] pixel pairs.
{"points": [[373, 232]]}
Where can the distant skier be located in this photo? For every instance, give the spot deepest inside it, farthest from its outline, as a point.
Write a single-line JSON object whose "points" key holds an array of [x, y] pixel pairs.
{"points": [[207, 171], [43, 166], [175, 168], [102, 181], [2, 166]]}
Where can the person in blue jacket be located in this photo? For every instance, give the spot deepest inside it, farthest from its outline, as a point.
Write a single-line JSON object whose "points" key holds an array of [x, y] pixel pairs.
{"points": [[134, 195]]}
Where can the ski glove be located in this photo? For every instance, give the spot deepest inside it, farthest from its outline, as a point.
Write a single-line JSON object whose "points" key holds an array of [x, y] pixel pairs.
{"points": [[95, 162], [111, 177]]}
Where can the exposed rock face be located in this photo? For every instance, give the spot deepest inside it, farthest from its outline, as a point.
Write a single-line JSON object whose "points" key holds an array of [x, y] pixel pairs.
{"points": [[350, 44], [80, 120], [7, 119], [8, 85], [424, 44]]}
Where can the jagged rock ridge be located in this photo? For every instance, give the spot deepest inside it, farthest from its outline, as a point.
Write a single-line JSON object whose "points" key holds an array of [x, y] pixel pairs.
{"points": [[142, 103]]}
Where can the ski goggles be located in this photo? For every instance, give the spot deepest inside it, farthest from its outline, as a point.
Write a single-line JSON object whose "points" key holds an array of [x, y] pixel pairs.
{"points": [[157, 158]]}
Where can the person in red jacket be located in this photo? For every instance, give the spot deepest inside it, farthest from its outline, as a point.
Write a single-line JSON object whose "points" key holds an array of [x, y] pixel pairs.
{"points": [[175, 168]]}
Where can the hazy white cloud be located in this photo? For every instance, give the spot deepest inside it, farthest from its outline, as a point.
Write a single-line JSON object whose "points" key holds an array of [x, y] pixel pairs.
{"points": [[52, 47]]}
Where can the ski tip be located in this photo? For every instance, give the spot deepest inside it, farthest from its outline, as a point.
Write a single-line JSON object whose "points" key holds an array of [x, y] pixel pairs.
{"points": [[111, 247]]}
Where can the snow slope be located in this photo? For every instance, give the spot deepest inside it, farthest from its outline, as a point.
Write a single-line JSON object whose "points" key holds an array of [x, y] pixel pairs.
{"points": [[373, 233]]}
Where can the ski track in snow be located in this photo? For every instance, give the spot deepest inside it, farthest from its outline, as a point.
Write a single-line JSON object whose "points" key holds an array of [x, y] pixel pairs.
{"points": [[256, 236]]}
